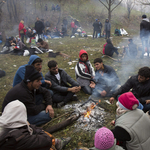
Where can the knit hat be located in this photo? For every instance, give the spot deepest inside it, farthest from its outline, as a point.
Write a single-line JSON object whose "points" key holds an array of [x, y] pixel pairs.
{"points": [[128, 101], [144, 16], [104, 139], [31, 74]]}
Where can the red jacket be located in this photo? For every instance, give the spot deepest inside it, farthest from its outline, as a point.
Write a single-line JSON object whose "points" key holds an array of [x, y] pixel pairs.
{"points": [[104, 48], [72, 24], [21, 27]]}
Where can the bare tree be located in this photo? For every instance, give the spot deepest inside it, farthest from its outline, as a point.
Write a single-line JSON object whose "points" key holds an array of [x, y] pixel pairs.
{"points": [[144, 2], [130, 4], [110, 5]]}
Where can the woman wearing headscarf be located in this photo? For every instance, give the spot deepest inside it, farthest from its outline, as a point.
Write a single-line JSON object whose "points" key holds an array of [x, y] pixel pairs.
{"points": [[17, 134]]}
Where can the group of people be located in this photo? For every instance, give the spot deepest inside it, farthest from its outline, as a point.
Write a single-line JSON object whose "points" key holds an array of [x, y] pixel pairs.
{"points": [[120, 32], [97, 28], [33, 98]]}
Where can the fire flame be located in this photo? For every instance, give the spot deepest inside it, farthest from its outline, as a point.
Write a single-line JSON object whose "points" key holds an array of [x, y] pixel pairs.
{"points": [[90, 108]]}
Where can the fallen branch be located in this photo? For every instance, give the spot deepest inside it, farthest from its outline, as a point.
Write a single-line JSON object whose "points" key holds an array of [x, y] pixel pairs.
{"points": [[109, 57], [57, 118], [62, 124]]}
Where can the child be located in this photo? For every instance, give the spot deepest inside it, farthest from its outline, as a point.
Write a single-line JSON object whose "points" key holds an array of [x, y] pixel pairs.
{"points": [[104, 140], [84, 72]]}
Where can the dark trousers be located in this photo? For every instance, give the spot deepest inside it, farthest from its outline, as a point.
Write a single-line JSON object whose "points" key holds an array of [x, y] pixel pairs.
{"points": [[65, 97], [22, 37], [94, 33], [107, 36], [114, 50]]}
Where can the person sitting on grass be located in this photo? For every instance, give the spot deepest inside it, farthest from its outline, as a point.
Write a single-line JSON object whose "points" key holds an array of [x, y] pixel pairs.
{"points": [[105, 140], [110, 49], [84, 72], [131, 124], [17, 133], [117, 32], [131, 49], [63, 92], [139, 86], [107, 81], [43, 45], [39, 111]]}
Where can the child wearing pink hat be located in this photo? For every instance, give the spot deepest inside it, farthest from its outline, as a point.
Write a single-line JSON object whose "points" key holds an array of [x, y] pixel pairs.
{"points": [[132, 125], [104, 140]]}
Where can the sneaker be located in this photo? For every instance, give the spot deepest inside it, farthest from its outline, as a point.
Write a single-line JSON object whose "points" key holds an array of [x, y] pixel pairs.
{"points": [[61, 143], [59, 105]]}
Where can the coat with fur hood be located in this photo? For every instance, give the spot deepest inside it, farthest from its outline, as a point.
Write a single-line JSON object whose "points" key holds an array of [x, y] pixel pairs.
{"points": [[144, 28], [84, 70]]}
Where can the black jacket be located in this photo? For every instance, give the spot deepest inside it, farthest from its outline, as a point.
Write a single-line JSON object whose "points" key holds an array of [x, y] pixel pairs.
{"points": [[65, 79], [20, 139], [96, 26], [140, 90], [110, 49], [22, 93], [144, 28], [39, 27]]}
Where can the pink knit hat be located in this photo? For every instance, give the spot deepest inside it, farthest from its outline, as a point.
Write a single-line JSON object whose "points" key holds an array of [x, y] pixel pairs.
{"points": [[104, 139], [128, 101]]}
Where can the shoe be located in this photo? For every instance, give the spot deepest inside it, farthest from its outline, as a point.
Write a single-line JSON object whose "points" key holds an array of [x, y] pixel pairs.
{"points": [[59, 105], [74, 98], [61, 143]]}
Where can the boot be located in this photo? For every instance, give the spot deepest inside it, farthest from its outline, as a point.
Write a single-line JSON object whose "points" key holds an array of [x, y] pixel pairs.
{"points": [[61, 143]]}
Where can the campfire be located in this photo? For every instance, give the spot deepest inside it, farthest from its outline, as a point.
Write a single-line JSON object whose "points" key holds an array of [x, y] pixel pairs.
{"points": [[92, 116]]}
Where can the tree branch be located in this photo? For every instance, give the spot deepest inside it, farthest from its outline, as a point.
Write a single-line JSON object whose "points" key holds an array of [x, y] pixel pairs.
{"points": [[103, 4], [117, 5]]}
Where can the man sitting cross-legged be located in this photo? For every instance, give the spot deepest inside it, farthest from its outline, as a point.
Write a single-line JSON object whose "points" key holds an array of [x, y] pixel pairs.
{"points": [[38, 112], [63, 93]]}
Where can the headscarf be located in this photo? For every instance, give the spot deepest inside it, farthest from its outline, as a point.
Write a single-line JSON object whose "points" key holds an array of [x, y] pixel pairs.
{"points": [[14, 116]]}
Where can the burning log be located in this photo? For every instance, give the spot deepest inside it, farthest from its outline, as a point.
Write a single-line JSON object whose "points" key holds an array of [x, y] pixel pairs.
{"points": [[63, 124]]}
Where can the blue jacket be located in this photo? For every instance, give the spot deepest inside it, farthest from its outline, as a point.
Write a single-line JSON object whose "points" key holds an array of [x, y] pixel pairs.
{"points": [[19, 76]]}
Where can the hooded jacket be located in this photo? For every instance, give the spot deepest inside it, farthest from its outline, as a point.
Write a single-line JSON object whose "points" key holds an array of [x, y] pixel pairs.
{"points": [[109, 48], [19, 76], [16, 134], [107, 25], [144, 28], [84, 69]]}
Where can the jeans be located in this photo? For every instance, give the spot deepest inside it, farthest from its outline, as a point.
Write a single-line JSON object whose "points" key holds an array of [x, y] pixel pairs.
{"points": [[40, 118], [94, 33], [145, 44], [87, 90]]}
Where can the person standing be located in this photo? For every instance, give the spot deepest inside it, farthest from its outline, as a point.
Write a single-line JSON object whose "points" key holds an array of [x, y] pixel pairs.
{"points": [[65, 23], [96, 28], [22, 30], [100, 27], [107, 29], [39, 27], [144, 34]]}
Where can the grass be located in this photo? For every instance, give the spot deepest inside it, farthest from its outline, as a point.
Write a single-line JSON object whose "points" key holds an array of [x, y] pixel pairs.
{"points": [[124, 69]]}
